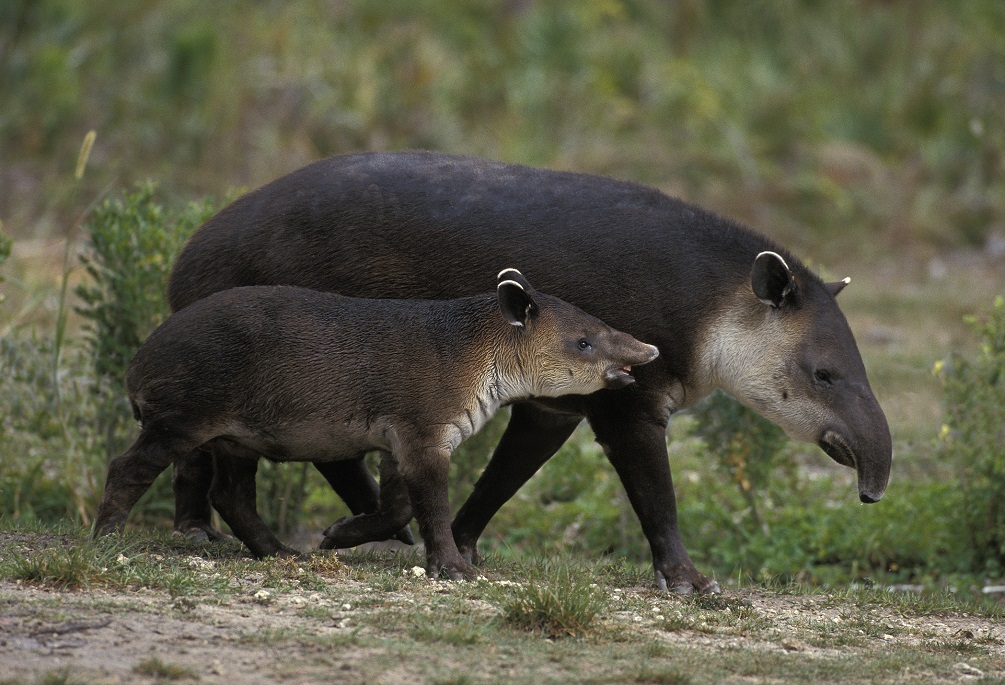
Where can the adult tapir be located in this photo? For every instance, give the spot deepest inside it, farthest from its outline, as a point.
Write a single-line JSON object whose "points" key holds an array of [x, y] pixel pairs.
{"points": [[725, 306]]}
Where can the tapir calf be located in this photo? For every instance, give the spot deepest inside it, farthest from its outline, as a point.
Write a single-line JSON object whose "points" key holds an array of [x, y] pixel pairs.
{"points": [[728, 309], [298, 375]]}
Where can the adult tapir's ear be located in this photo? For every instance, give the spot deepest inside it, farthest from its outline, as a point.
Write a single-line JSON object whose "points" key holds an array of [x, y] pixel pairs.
{"points": [[516, 298], [837, 286], [771, 279]]}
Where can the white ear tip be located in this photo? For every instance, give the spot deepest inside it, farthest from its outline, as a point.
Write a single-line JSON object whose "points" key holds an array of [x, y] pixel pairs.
{"points": [[504, 271], [846, 280], [775, 255], [502, 283]]}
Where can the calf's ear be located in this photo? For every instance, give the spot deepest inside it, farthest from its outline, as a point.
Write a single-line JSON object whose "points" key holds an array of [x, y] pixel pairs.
{"points": [[514, 275], [515, 302], [771, 280]]}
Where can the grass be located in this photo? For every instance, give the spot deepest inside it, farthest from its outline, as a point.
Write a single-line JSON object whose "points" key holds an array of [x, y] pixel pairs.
{"points": [[156, 668], [555, 599], [531, 620]]}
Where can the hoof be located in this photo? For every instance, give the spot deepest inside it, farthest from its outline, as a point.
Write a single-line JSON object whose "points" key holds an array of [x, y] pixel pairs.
{"points": [[687, 583], [456, 570], [469, 553], [405, 535], [203, 533]]}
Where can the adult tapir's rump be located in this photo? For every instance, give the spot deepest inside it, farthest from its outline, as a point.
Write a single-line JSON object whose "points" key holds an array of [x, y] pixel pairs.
{"points": [[726, 307]]}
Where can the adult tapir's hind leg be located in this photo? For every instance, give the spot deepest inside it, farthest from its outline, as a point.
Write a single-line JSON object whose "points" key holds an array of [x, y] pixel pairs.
{"points": [[190, 482], [132, 473], [531, 438], [193, 477], [233, 494]]}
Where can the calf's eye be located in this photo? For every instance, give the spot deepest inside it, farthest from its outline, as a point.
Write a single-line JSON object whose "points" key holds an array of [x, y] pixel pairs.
{"points": [[584, 344]]}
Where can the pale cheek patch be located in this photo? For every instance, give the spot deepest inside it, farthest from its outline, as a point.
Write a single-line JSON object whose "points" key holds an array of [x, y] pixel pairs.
{"points": [[747, 355]]}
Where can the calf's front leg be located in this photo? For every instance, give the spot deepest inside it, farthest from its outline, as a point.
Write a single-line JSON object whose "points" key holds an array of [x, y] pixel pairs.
{"points": [[425, 472]]}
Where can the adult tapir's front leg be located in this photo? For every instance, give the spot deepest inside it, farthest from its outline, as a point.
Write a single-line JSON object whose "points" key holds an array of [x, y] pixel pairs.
{"points": [[391, 517], [531, 438], [634, 440]]}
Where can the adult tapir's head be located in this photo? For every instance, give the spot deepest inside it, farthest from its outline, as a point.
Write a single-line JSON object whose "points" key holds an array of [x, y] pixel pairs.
{"points": [[557, 349], [782, 347]]}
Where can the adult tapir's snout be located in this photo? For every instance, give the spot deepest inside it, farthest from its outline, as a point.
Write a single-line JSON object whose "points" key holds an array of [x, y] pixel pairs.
{"points": [[863, 442]]}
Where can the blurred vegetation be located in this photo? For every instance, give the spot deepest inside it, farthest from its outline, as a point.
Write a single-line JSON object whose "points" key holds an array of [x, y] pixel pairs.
{"points": [[844, 127], [974, 437], [816, 120]]}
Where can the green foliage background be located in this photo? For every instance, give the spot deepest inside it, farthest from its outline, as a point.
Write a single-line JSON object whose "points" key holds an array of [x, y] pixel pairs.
{"points": [[825, 119], [840, 128]]}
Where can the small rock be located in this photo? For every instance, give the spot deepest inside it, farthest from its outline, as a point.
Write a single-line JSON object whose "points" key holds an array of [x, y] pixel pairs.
{"points": [[966, 669], [262, 596], [346, 607], [297, 600], [418, 572], [122, 559]]}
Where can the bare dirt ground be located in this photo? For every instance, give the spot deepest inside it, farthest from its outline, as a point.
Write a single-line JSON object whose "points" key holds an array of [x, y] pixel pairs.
{"points": [[395, 626]]}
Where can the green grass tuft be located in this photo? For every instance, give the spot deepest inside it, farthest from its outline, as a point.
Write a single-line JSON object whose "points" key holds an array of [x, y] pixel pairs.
{"points": [[557, 599], [162, 671]]}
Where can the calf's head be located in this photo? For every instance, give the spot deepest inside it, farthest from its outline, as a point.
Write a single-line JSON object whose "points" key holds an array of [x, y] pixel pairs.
{"points": [[783, 348], [558, 349]]}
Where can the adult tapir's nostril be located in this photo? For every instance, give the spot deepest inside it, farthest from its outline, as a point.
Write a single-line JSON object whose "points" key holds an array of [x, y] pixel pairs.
{"points": [[866, 498]]}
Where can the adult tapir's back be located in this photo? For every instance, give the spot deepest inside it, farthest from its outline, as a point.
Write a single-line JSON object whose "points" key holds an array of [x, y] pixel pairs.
{"points": [[430, 225]]}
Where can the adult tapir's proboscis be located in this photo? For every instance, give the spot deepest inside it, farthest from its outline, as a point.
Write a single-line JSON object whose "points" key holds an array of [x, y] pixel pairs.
{"points": [[726, 307]]}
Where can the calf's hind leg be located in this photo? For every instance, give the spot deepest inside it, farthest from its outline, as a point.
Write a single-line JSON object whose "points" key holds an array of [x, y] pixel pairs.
{"points": [[233, 495], [390, 519], [132, 473]]}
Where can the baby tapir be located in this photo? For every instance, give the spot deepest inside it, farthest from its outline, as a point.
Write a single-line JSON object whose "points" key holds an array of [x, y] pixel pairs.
{"points": [[294, 374]]}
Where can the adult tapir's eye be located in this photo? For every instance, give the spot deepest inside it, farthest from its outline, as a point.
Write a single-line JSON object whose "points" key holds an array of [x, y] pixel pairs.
{"points": [[584, 344], [823, 376]]}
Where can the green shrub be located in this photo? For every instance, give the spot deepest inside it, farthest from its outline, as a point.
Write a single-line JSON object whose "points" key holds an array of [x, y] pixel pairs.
{"points": [[749, 451], [974, 437], [132, 243]]}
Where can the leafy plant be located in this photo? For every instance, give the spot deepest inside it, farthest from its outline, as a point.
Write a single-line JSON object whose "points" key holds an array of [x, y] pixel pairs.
{"points": [[974, 436], [5, 247], [749, 448], [132, 243]]}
